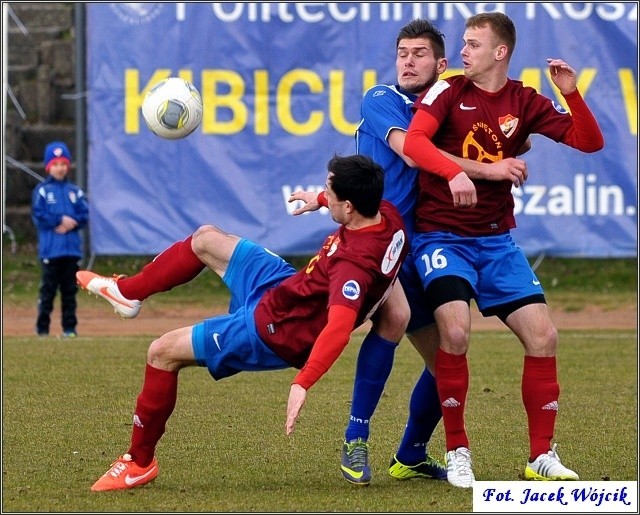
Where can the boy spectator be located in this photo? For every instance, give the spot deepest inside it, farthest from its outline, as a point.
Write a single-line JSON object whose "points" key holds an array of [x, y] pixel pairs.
{"points": [[59, 210]]}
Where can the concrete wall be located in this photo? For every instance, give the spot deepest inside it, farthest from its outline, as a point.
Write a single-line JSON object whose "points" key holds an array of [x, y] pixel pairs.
{"points": [[41, 69]]}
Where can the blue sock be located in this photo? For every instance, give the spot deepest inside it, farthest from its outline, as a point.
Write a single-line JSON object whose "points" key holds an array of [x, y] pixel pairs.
{"points": [[375, 361], [424, 415]]}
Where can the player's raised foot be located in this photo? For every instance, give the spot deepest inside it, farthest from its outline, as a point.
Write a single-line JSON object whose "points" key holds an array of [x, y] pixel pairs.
{"points": [[107, 288], [459, 472], [547, 467], [355, 462], [124, 474], [431, 468]]}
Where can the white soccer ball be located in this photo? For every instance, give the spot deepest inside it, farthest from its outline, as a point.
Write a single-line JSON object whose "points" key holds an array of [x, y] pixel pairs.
{"points": [[172, 108]]}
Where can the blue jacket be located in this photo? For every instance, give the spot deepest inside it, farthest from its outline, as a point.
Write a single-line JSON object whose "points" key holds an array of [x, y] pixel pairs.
{"points": [[49, 202]]}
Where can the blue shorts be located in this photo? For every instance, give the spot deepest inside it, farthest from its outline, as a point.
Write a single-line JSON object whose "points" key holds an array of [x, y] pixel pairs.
{"points": [[421, 314], [229, 344], [495, 267]]}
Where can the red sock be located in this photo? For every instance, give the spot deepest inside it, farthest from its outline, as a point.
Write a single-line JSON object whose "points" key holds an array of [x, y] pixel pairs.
{"points": [[153, 408], [452, 380], [540, 392], [176, 265]]}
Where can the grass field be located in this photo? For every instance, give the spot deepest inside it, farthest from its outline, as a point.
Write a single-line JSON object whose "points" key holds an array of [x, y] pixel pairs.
{"points": [[67, 408], [571, 284]]}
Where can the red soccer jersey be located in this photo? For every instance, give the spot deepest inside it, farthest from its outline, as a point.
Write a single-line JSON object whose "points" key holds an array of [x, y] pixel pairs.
{"points": [[353, 268], [486, 127]]}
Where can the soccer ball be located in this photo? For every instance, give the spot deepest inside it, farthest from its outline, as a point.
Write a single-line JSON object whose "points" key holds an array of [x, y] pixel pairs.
{"points": [[172, 108]]}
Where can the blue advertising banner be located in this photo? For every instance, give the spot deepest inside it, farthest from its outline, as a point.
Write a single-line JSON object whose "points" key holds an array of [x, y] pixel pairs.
{"points": [[281, 85]]}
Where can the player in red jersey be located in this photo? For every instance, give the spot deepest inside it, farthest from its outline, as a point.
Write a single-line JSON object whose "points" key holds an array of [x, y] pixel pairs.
{"points": [[386, 112], [278, 318], [462, 246]]}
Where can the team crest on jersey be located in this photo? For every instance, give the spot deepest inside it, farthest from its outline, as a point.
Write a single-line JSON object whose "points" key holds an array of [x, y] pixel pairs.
{"points": [[394, 250], [559, 108], [508, 124], [72, 197], [435, 90], [351, 290]]}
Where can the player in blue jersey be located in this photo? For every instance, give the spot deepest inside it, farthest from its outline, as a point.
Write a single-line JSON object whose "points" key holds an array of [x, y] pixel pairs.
{"points": [[386, 114]]}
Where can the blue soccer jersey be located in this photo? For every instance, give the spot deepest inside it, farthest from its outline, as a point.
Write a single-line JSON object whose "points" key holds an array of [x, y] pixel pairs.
{"points": [[383, 109]]}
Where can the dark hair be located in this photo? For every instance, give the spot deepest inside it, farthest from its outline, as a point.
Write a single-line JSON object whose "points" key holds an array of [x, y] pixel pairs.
{"points": [[423, 29], [358, 179], [500, 24]]}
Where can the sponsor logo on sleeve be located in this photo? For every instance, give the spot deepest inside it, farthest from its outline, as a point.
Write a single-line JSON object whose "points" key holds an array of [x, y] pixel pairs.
{"points": [[351, 290], [435, 91], [558, 107], [392, 255]]}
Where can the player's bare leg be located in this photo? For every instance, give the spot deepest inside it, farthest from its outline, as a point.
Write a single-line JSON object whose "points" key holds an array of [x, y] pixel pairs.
{"points": [[214, 247]]}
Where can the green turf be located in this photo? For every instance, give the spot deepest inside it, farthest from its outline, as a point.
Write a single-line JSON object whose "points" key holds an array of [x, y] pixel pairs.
{"points": [[67, 407], [569, 284]]}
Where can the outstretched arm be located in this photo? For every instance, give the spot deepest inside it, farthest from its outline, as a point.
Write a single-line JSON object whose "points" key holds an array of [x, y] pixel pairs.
{"points": [[585, 135], [326, 349], [313, 201]]}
